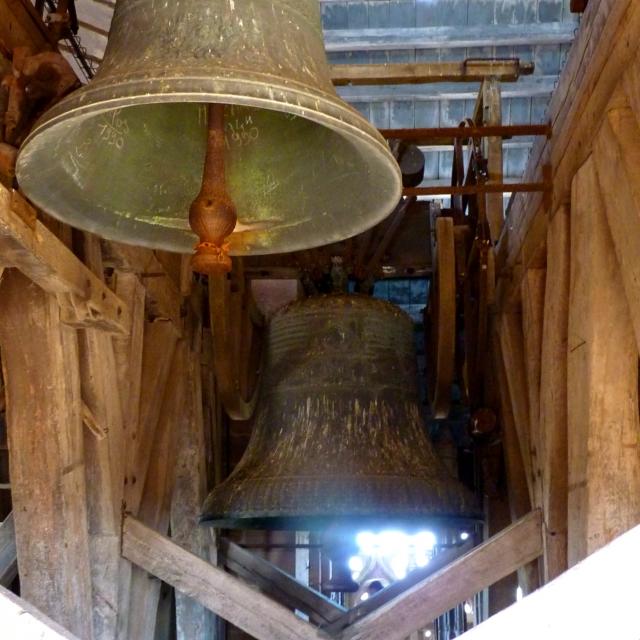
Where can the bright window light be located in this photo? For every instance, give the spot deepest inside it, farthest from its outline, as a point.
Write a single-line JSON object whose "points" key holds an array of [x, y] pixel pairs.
{"points": [[401, 551], [356, 564], [519, 594]]}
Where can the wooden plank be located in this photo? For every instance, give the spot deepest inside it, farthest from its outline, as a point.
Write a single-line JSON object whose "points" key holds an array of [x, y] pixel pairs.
{"points": [[617, 154], [46, 452], [603, 585], [498, 557], [511, 340], [8, 552], [421, 73], [553, 396], [604, 489], [278, 584], [43, 258], [533, 287], [19, 619], [155, 505], [220, 592]]}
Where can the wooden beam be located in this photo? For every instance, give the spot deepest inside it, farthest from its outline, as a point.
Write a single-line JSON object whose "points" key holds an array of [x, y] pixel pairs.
{"points": [[420, 73], [159, 345], [128, 352], [534, 86], [220, 592], [492, 116], [30, 247], [19, 619], [461, 580], [533, 287], [604, 426], [516, 478], [8, 552], [603, 585], [447, 135], [155, 504], [553, 396], [470, 189], [164, 300], [512, 349], [616, 154], [396, 589], [278, 584], [193, 621], [105, 458], [45, 434]]}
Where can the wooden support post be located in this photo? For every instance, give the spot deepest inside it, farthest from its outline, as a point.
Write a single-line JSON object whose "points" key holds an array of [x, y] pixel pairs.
{"points": [[617, 154], [155, 505], [603, 585], [604, 428], [45, 432], [104, 462], [533, 286], [498, 557], [159, 345], [193, 621], [553, 396], [20, 619], [511, 341], [8, 552], [220, 592], [492, 116], [128, 351], [517, 486]]}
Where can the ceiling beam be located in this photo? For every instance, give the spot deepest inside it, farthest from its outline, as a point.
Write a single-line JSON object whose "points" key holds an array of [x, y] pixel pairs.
{"points": [[533, 86], [505, 70], [451, 37], [498, 557], [587, 601]]}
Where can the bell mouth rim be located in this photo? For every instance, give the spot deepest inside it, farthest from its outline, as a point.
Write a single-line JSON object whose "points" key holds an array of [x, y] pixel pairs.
{"points": [[406, 522], [97, 98]]}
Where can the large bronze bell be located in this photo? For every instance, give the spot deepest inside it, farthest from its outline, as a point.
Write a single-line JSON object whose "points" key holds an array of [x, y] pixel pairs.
{"points": [[123, 157], [338, 439]]}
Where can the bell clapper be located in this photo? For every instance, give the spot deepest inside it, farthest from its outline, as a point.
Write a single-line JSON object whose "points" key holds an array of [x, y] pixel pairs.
{"points": [[212, 215]]}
